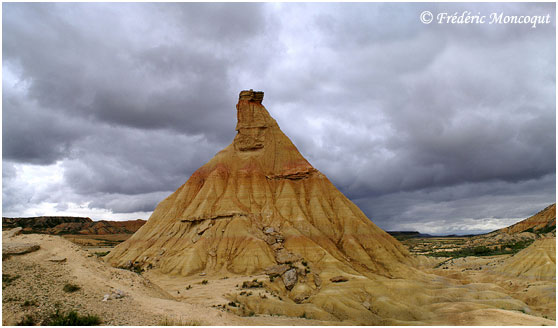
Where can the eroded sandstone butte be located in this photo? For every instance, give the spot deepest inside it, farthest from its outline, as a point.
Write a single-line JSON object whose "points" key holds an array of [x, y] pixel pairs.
{"points": [[256, 204]]}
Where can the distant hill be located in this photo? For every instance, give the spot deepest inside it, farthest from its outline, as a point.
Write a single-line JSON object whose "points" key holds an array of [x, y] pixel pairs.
{"points": [[71, 225], [408, 234], [522, 233], [542, 222]]}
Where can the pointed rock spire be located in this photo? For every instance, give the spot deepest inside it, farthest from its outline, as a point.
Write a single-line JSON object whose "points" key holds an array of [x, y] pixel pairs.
{"points": [[256, 204]]}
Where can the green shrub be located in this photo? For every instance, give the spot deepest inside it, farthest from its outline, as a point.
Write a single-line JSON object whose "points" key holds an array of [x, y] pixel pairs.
{"points": [[27, 321], [101, 254], [73, 319], [481, 251], [29, 303], [138, 269], [252, 284], [8, 278], [546, 229], [70, 288]]}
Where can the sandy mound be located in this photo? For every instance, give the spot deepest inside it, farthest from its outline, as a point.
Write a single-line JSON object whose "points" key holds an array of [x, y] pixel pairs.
{"points": [[536, 262], [527, 277]]}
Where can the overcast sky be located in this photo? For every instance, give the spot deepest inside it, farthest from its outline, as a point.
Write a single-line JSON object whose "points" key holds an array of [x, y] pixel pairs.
{"points": [[108, 108]]}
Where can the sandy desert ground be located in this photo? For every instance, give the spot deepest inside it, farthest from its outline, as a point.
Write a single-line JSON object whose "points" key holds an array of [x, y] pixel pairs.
{"points": [[500, 290], [41, 281]]}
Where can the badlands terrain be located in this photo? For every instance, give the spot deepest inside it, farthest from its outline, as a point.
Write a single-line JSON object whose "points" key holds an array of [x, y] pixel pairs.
{"points": [[257, 236], [509, 289]]}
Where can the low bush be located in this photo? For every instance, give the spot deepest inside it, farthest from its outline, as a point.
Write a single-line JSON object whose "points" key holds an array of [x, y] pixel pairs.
{"points": [[252, 284], [8, 278], [70, 288], [546, 229], [72, 318], [29, 303], [27, 321], [101, 254]]}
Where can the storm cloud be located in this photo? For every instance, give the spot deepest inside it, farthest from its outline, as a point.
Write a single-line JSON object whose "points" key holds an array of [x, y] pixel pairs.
{"points": [[443, 128]]}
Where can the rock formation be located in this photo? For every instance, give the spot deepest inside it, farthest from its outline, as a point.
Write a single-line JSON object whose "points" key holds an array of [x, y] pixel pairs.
{"points": [[257, 205]]}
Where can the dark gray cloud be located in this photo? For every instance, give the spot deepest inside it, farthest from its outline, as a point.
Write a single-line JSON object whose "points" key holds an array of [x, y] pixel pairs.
{"points": [[110, 107]]}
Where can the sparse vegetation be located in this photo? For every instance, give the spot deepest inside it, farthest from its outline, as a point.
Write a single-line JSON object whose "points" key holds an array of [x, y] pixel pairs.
{"points": [[204, 282], [232, 304], [28, 320], [137, 269], [101, 254], [29, 303], [189, 287], [252, 284], [72, 318], [134, 267], [70, 288], [546, 229], [173, 322], [510, 248], [8, 278]]}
